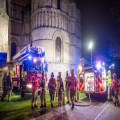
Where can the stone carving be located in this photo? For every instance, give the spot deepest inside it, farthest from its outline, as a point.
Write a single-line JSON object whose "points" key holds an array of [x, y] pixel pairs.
{"points": [[51, 18], [48, 2]]}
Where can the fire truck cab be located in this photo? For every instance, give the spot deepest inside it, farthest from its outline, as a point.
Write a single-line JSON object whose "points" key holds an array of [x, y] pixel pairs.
{"points": [[26, 62]]}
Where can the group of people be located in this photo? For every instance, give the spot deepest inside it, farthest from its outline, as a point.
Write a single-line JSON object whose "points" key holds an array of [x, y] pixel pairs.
{"points": [[55, 87]]}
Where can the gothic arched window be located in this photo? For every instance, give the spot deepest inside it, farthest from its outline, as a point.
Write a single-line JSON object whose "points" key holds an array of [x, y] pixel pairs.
{"points": [[58, 49], [13, 49], [58, 4]]}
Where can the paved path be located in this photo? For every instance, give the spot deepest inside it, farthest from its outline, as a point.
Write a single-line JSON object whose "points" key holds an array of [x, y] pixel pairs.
{"points": [[96, 111]]}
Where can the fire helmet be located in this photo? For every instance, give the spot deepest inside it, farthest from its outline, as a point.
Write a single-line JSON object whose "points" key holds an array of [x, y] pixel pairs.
{"points": [[10, 72], [72, 71], [5, 73], [66, 72], [59, 73], [109, 72], [52, 74], [114, 75]]}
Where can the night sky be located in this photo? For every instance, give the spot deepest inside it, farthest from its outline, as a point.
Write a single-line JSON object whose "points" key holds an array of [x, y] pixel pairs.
{"points": [[98, 24]]}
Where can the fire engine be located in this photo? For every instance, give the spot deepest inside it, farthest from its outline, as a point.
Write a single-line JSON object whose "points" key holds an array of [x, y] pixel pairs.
{"points": [[26, 62], [93, 79]]}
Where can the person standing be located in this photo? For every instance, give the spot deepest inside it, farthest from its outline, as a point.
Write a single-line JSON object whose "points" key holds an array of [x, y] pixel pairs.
{"points": [[52, 87], [34, 90], [60, 89], [23, 85], [109, 84], [9, 86], [73, 87], [4, 86], [43, 90], [67, 87], [115, 87]]}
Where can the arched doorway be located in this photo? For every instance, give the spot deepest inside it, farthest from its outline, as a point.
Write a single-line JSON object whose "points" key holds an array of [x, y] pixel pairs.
{"points": [[58, 49], [13, 49]]}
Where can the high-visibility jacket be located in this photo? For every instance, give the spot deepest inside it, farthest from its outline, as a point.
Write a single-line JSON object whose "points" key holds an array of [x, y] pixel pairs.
{"points": [[73, 83], [109, 80], [60, 83]]}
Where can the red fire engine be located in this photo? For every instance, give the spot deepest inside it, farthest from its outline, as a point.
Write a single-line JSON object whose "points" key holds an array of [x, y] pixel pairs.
{"points": [[27, 61]]}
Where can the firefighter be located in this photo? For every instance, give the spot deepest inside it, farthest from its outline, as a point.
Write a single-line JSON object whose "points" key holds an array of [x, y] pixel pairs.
{"points": [[73, 87], [52, 87], [115, 87], [109, 83], [4, 86], [60, 89], [43, 90], [34, 90], [23, 85], [67, 87], [80, 83], [9, 85]]}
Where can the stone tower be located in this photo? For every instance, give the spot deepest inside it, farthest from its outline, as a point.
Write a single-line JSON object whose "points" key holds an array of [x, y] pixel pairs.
{"points": [[52, 24]]}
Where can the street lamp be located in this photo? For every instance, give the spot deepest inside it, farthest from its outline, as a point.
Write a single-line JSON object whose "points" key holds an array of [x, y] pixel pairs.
{"points": [[90, 46]]}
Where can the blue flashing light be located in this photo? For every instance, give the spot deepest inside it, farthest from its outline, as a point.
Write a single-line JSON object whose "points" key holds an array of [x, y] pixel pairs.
{"points": [[109, 67], [113, 65], [98, 65], [43, 59], [103, 64], [30, 57], [34, 60]]}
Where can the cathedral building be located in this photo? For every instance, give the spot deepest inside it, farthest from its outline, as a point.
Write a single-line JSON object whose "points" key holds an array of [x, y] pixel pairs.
{"points": [[52, 24]]}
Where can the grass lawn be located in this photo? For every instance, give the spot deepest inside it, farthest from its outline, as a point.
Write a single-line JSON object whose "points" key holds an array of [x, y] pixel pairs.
{"points": [[19, 108]]}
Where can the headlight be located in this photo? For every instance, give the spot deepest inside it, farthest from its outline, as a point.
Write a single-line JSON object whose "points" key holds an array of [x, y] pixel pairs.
{"points": [[29, 86]]}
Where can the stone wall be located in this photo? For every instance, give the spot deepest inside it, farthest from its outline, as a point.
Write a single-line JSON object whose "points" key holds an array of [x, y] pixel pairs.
{"points": [[3, 28], [15, 26], [19, 25]]}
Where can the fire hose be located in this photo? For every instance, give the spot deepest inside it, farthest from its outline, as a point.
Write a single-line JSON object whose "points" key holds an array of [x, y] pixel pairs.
{"points": [[84, 103]]}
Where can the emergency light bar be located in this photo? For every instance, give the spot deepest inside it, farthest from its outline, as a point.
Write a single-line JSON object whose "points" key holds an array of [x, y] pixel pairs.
{"points": [[22, 52], [29, 51]]}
